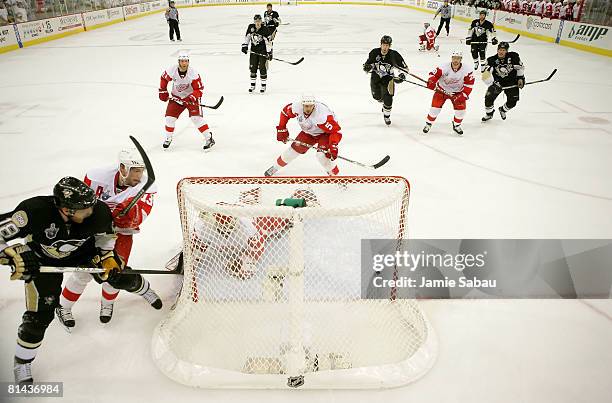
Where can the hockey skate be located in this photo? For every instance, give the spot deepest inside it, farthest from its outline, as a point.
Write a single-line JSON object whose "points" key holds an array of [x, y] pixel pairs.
{"points": [[262, 89], [386, 117], [502, 112], [23, 372], [488, 116], [271, 171], [426, 128], [209, 143], [252, 87], [65, 318], [152, 298], [106, 312], [457, 128], [167, 142]]}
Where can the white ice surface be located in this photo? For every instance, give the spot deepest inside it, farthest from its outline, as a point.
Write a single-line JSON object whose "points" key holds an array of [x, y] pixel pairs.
{"points": [[68, 105]]}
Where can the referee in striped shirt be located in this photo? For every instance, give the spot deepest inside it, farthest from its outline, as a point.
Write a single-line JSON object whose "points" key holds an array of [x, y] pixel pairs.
{"points": [[173, 22], [445, 17]]}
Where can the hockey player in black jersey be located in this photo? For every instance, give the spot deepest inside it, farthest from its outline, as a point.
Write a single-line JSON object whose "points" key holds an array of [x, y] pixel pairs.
{"points": [[478, 34], [504, 69], [67, 229], [258, 35], [381, 64], [272, 20]]}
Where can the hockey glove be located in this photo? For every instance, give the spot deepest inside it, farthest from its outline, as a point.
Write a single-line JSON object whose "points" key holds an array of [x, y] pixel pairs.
{"points": [[245, 49], [23, 261], [468, 41], [269, 56], [400, 77], [191, 100], [367, 67], [163, 95], [520, 82], [282, 134], [332, 151], [110, 261], [132, 219], [494, 41]]}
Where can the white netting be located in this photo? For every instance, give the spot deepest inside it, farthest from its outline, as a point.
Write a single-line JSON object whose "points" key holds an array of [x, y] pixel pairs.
{"points": [[272, 294]]}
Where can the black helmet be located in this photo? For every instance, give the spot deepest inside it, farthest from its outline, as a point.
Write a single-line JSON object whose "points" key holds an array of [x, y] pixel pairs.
{"points": [[257, 17], [73, 194], [483, 12], [503, 45], [386, 39]]}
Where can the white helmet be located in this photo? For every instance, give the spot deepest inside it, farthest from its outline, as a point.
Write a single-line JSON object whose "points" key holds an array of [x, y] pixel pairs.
{"points": [[130, 158], [457, 53], [308, 99], [183, 56]]}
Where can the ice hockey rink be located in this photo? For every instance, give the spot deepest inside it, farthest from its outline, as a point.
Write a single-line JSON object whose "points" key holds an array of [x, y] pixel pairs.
{"points": [[69, 105]]}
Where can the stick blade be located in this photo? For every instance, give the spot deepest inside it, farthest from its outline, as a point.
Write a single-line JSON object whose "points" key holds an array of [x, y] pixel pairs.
{"points": [[218, 103], [298, 62], [145, 158], [551, 74], [381, 162]]}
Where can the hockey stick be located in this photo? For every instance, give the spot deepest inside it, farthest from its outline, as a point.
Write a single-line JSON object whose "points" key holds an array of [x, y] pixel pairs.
{"points": [[281, 60], [413, 75], [94, 270], [218, 104], [479, 43], [181, 102], [533, 82], [380, 163], [150, 178]]}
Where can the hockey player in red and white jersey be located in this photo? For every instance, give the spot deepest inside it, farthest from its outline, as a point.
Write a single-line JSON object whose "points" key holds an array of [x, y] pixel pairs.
{"points": [[116, 186], [186, 92], [454, 81], [427, 41], [319, 130]]}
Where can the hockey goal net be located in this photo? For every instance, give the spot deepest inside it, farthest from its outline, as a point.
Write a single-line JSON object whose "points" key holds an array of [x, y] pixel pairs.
{"points": [[272, 288]]}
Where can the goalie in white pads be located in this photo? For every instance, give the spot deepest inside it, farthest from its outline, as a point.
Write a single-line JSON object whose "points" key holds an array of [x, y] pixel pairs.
{"points": [[454, 81], [427, 41], [320, 130], [116, 187]]}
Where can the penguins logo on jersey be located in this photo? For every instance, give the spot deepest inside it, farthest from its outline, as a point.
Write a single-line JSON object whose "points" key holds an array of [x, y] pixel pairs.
{"points": [[256, 38], [504, 67], [62, 248], [479, 31]]}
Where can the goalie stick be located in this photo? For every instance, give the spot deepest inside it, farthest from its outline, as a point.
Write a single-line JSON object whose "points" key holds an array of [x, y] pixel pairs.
{"points": [[150, 178], [533, 82], [479, 43], [380, 163], [281, 60]]}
